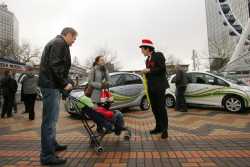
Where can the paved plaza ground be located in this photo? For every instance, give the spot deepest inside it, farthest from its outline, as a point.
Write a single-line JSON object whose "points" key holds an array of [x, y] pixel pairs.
{"points": [[201, 137]]}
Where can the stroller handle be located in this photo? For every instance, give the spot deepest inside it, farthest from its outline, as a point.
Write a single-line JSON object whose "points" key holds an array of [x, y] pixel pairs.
{"points": [[70, 97], [67, 95]]}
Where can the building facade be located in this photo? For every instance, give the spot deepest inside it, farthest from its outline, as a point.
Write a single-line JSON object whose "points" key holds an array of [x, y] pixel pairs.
{"points": [[221, 45], [9, 29]]}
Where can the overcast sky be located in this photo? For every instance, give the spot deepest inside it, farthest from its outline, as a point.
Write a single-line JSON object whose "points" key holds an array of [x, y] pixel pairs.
{"points": [[175, 26]]}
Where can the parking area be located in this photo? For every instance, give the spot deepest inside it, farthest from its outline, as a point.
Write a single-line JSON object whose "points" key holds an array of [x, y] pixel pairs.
{"points": [[201, 137]]}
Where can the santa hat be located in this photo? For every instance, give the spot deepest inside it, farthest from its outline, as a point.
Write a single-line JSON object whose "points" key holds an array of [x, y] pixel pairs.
{"points": [[147, 42]]}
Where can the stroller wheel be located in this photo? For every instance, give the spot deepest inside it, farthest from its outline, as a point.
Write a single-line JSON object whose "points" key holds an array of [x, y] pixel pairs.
{"points": [[117, 132], [92, 143], [127, 137], [99, 149]]}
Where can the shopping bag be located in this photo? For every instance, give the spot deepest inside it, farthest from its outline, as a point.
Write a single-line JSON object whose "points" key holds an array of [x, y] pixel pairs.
{"points": [[106, 96]]}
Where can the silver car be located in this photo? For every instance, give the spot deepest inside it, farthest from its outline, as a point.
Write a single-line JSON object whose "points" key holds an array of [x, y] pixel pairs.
{"points": [[212, 90], [127, 90]]}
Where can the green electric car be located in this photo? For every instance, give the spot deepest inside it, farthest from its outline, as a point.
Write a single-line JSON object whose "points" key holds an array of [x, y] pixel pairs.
{"points": [[212, 90], [127, 90]]}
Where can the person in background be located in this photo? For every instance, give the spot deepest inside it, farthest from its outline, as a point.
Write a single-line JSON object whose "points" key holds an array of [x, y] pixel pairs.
{"points": [[9, 86], [23, 99], [1, 95], [157, 82], [15, 102], [99, 79], [53, 79], [181, 82], [29, 85], [77, 82]]}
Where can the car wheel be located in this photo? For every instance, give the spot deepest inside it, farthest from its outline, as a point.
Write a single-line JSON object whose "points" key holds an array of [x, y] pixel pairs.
{"points": [[170, 101], [234, 104], [144, 104]]}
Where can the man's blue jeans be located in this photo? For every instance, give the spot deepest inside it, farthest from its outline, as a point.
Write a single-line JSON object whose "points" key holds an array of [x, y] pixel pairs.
{"points": [[51, 102]]}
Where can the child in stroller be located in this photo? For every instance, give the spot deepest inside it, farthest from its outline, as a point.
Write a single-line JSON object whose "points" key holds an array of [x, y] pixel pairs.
{"points": [[110, 121]]}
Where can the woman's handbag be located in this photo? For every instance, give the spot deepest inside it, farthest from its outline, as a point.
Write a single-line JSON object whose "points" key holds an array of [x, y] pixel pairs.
{"points": [[106, 96]]}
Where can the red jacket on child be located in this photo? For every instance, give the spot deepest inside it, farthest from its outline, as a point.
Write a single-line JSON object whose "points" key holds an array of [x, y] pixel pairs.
{"points": [[104, 112]]}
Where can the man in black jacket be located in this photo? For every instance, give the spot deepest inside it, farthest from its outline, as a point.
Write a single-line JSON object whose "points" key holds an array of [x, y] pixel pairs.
{"points": [[157, 84], [181, 82], [53, 77], [9, 87]]}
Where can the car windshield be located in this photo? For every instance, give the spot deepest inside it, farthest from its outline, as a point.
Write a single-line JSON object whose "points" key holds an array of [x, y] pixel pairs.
{"points": [[231, 79], [235, 81]]}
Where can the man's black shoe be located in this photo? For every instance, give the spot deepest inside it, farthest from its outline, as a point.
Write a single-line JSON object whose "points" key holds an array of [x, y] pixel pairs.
{"points": [[155, 131], [164, 134], [55, 161], [183, 110], [60, 147]]}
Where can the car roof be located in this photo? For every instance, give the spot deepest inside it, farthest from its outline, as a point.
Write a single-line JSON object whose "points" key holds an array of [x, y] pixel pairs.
{"points": [[201, 72], [117, 73], [215, 75]]}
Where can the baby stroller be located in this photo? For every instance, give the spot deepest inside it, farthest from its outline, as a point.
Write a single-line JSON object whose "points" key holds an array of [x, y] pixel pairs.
{"points": [[110, 121]]}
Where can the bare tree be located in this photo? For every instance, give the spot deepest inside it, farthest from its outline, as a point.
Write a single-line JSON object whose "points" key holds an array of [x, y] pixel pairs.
{"points": [[76, 60], [9, 50], [221, 52], [23, 53], [203, 60], [111, 58], [27, 54], [172, 60]]}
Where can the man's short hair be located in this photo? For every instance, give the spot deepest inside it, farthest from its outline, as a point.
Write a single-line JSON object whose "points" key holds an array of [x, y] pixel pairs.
{"points": [[151, 49], [70, 30]]}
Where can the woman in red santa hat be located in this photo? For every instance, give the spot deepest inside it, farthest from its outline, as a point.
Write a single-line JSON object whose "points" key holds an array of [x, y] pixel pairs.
{"points": [[155, 73]]}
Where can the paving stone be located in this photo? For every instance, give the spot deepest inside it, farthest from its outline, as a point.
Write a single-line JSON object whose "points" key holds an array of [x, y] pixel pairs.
{"points": [[201, 137]]}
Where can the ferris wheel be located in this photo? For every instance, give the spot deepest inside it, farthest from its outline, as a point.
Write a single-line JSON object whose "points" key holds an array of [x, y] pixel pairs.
{"points": [[231, 20], [237, 29]]}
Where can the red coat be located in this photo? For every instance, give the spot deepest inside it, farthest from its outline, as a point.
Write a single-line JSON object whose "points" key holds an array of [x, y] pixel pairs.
{"points": [[104, 112]]}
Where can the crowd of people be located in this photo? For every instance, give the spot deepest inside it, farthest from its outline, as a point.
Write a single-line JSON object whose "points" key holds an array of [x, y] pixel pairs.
{"points": [[54, 78], [9, 86]]}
